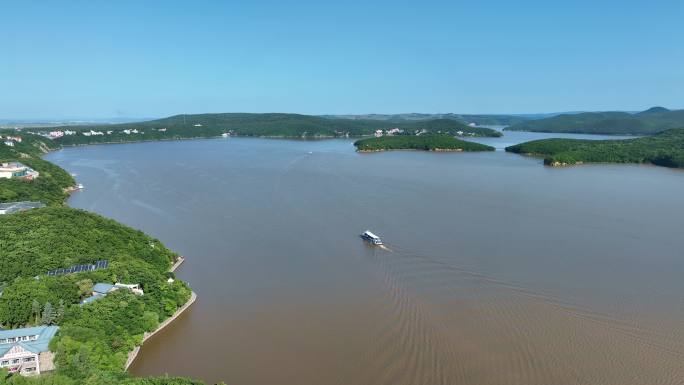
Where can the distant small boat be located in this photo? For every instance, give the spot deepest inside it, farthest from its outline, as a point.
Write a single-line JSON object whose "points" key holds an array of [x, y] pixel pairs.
{"points": [[79, 186], [371, 238]]}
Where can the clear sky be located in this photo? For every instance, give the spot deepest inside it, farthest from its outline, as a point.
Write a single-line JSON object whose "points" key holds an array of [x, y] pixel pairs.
{"points": [[139, 58]]}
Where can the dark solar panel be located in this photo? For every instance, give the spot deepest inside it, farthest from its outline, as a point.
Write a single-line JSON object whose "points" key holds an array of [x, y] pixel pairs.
{"points": [[102, 264]]}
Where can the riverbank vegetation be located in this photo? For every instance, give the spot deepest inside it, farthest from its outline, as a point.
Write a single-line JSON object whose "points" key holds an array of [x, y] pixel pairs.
{"points": [[664, 149], [262, 125], [423, 142], [651, 121], [49, 188]]}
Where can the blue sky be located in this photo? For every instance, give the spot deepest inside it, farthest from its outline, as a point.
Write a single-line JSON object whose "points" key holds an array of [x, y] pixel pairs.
{"points": [[96, 59]]}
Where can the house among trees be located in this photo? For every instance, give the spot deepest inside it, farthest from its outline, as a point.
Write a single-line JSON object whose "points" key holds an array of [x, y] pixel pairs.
{"points": [[17, 170], [100, 290], [25, 351]]}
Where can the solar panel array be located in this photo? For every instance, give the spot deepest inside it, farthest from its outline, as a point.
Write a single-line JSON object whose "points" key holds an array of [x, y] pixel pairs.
{"points": [[103, 264]]}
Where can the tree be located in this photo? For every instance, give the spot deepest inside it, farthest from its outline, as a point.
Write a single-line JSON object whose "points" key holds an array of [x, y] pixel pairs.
{"points": [[35, 311], [48, 314], [60, 311]]}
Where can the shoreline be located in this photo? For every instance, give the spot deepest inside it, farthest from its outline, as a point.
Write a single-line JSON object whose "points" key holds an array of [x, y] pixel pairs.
{"points": [[178, 262], [133, 354], [285, 137]]}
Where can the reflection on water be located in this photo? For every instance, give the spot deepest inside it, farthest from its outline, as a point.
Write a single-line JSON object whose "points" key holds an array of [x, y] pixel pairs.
{"points": [[498, 270]]}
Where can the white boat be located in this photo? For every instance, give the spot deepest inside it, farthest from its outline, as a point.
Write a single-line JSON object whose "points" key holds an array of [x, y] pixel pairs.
{"points": [[371, 238], [79, 186]]}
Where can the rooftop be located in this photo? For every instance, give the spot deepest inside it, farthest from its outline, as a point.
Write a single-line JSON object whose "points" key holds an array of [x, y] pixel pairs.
{"points": [[102, 288], [44, 333], [12, 207], [11, 165]]}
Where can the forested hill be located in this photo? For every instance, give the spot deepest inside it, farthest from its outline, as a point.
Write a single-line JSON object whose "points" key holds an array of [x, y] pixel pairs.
{"points": [[651, 121], [424, 142], [270, 125], [664, 149]]}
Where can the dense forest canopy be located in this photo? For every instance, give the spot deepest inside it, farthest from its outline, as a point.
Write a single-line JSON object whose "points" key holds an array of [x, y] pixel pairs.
{"points": [[651, 121], [94, 339], [419, 142], [665, 149]]}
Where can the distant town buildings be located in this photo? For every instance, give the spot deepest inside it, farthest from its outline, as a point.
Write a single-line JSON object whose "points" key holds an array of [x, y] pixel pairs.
{"points": [[92, 133], [17, 170], [9, 140], [59, 133], [13, 138], [25, 351], [14, 207]]}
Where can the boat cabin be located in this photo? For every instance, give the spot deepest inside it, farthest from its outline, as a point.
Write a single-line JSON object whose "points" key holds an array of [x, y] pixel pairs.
{"points": [[371, 238]]}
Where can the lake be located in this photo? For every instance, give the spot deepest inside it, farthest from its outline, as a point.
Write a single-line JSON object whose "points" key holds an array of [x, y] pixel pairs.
{"points": [[496, 269]]}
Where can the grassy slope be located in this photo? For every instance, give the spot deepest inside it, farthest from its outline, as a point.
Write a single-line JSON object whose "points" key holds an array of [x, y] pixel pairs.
{"points": [[664, 149], [619, 123], [422, 142]]}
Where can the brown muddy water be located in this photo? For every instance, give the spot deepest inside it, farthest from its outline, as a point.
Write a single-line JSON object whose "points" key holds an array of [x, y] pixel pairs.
{"points": [[498, 270]]}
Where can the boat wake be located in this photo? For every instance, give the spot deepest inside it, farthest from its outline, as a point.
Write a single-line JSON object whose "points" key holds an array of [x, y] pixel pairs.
{"points": [[446, 324]]}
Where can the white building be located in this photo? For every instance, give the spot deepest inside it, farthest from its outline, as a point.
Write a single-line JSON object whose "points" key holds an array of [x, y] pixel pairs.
{"points": [[17, 170], [25, 351], [14, 138], [378, 133], [9, 143]]}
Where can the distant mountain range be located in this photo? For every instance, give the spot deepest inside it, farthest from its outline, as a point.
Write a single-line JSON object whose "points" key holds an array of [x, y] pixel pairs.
{"points": [[648, 122], [478, 119]]}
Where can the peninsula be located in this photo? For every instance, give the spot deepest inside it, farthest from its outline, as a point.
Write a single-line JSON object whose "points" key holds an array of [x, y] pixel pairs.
{"points": [[86, 289], [648, 122], [664, 149], [425, 142]]}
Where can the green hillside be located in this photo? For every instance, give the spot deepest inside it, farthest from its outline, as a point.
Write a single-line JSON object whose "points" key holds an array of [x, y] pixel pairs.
{"points": [[421, 142], [651, 121], [664, 149]]}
